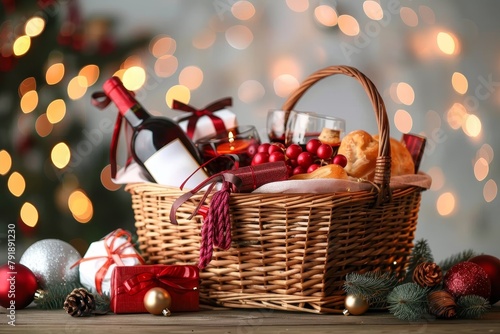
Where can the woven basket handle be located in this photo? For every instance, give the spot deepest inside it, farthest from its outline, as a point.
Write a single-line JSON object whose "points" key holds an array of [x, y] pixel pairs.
{"points": [[383, 164]]}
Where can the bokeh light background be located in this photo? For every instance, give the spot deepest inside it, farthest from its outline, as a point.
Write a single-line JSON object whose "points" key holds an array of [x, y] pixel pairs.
{"points": [[436, 64]]}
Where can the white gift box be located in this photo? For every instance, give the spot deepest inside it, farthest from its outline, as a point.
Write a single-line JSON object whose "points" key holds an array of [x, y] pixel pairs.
{"points": [[114, 248], [205, 126]]}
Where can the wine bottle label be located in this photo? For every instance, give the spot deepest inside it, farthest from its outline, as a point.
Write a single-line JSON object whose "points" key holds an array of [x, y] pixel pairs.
{"points": [[173, 164]]}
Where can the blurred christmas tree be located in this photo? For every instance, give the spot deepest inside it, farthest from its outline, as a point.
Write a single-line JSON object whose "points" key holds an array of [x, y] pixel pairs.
{"points": [[52, 152]]}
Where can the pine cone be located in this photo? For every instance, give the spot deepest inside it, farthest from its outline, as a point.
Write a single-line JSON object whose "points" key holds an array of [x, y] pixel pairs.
{"points": [[427, 274], [79, 303], [442, 304]]}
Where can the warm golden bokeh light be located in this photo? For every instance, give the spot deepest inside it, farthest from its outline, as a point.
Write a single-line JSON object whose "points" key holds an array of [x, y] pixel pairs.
{"points": [[132, 61], [77, 87], [285, 84], [42, 126], [29, 101], [80, 206], [286, 65], [409, 17], [162, 45], [5, 162], [251, 91], [472, 126], [460, 83], [34, 26], [326, 15], [437, 176], [205, 39], [134, 78], [119, 74], [373, 10], [56, 111], [239, 37], [486, 152], [298, 6], [16, 184], [243, 10], [481, 169], [446, 43], [54, 73], [27, 85], [403, 121], [60, 155], [29, 214], [21, 45], [178, 92], [490, 191], [165, 66], [405, 93], [91, 73], [191, 77], [348, 25], [107, 181], [456, 116], [445, 204]]}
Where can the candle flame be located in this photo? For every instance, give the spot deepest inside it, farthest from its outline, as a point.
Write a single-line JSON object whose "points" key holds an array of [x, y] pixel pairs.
{"points": [[231, 137]]}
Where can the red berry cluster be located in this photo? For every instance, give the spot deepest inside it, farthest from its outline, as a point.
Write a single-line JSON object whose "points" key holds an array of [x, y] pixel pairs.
{"points": [[299, 161]]}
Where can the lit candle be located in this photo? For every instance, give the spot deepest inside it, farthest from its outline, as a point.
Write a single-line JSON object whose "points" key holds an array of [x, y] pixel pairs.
{"points": [[233, 146]]}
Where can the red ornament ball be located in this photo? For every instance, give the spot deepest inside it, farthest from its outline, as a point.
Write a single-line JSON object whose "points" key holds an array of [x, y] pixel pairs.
{"points": [[491, 265], [18, 285], [467, 278]]}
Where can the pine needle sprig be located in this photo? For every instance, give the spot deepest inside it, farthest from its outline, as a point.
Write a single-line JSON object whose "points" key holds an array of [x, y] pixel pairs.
{"points": [[472, 307], [449, 262], [421, 253], [373, 286], [53, 296], [408, 302]]}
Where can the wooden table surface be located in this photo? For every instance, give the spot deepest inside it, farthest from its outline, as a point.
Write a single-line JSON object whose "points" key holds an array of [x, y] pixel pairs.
{"points": [[238, 321]]}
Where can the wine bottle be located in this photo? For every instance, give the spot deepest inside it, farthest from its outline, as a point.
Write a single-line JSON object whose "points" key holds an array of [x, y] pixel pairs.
{"points": [[158, 144]]}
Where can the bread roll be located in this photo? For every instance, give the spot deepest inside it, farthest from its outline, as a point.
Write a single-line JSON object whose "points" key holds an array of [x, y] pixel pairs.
{"points": [[361, 150], [330, 171]]}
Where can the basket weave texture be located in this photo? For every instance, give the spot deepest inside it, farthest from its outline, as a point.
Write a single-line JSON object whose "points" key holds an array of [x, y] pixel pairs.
{"points": [[289, 251]]}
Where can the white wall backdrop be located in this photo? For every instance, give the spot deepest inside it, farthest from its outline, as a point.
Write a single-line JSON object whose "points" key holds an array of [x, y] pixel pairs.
{"points": [[259, 60]]}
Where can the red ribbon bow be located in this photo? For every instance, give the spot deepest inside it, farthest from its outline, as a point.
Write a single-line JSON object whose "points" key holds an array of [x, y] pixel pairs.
{"points": [[114, 255], [179, 278], [100, 100], [206, 111]]}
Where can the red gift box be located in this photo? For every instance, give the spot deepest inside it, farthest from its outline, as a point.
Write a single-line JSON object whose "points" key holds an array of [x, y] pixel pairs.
{"points": [[129, 284]]}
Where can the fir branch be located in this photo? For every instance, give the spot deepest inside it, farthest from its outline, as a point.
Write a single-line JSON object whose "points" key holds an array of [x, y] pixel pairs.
{"points": [[102, 303], [472, 307], [421, 253], [408, 301], [373, 286], [53, 296], [449, 262]]}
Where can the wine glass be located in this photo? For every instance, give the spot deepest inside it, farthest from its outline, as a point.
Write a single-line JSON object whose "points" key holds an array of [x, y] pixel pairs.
{"points": [[304, 126], [276, 120]]}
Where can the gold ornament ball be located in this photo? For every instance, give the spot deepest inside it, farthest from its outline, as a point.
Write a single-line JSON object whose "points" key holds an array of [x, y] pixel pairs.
{"points": [[157, 301], [355, 305]]}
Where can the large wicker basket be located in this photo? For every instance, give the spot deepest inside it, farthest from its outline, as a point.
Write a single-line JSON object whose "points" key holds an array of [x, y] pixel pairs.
{"points": [[289, 251]]}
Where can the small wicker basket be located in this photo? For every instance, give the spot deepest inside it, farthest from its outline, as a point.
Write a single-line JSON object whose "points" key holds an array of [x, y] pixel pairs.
{"points": [[289, 251]]}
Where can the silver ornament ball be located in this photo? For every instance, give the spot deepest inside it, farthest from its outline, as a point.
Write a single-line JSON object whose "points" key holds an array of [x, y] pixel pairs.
{"points": [[51, 260]]}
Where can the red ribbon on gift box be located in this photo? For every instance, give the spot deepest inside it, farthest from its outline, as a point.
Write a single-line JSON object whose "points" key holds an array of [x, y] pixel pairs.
{"points": [[196, 114], [179, 279], [113, 255]]}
